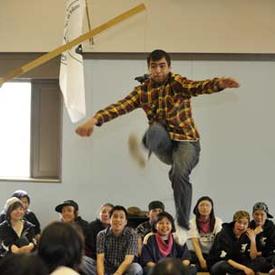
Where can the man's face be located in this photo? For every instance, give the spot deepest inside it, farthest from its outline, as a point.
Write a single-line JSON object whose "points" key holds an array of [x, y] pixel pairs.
{"points": [[159, 70], [153, 214], [104, 214], [25, 203], [118, 221], [259, 217], [240, 226], [68, 214]]}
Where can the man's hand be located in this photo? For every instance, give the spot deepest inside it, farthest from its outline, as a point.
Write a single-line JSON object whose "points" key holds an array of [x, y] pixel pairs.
{"points": [[87, 128], [228, 83]]}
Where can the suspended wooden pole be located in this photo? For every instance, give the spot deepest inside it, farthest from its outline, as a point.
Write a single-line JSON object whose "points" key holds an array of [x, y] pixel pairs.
{"points": [[89, 21], [50, 55]]}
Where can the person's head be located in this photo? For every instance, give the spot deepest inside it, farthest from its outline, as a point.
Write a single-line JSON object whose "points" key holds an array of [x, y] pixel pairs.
{"points": [[159, 65], [68, 210], [164, 224], [241, 221], [118, 219], [22, 264], [154, 208], [260, 213], [24, 197], [204, 208], [61, 245], [14, 209], [170, 266], [104, 213]]}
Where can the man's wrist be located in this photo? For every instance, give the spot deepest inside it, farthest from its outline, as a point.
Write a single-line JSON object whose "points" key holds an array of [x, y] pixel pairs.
{"points": [[93, 120]]}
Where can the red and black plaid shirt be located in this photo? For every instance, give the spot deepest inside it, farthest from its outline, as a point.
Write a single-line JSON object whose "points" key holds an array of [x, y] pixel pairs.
{"points": [[168, 104]]}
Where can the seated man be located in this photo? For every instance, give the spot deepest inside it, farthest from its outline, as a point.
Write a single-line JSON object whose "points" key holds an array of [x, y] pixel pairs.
{"points": [[154, 208], [117, 246], [69, 213], [265, 234]]}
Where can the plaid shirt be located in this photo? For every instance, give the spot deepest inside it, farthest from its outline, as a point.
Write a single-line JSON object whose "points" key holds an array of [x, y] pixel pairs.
{"points": [[168, 104], [115, 248]]}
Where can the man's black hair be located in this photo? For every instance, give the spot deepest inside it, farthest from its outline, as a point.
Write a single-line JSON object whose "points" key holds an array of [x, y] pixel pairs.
{"points": [[158, 54], [119, 208]]}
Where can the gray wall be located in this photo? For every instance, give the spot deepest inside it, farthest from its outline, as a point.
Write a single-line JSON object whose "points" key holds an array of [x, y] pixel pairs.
{"points": [[237, 160]]}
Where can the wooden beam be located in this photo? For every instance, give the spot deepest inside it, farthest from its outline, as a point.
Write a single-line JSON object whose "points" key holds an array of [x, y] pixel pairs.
{"points": [[50, 55]]}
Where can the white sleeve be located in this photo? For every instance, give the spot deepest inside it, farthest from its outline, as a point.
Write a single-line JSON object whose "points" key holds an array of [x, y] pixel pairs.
{"points": [[193, 232]]}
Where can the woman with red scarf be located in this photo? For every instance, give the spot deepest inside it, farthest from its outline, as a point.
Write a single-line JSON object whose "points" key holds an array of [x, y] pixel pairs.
{"points": [[161, 245]]}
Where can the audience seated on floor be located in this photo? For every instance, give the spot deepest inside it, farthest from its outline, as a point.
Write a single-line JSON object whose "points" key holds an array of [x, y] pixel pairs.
{"points": [[99, 224], [161, 245], [204, 226], [16, 234]]}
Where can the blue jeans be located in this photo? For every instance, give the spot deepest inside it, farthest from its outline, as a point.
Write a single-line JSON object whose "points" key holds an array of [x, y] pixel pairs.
{"points": [[183, 156], [133, 269]]}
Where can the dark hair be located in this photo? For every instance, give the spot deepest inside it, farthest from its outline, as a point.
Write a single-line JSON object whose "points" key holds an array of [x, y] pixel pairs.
{"points": [[12, 207], [22, 264], [20, 194], [61, 245], [212, 214], [119, 208], [158, 54], [170, 266], [162, 215]]}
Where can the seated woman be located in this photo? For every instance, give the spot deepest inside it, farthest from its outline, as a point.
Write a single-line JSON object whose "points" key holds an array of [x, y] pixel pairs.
{"points": [[203, 229], [234, 250], [28, 215], [161, 244], [69, 214], [16, 235], [61, 248], [265, 233], [99, 224]]}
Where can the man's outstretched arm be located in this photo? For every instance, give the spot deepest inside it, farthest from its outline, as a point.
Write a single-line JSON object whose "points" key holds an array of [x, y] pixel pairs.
{"points": [[124, 106], [86, 128], [208, 86]]}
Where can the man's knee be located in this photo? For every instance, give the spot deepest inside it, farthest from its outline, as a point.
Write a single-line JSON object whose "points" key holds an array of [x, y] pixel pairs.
{"points": [[156, 136]]}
